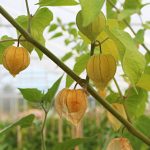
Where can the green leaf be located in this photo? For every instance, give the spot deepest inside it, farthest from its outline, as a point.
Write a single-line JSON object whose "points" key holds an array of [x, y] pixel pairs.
{"points": [[147, 25], [57, 2], [142, 124], [139, 38], [147, 70], [56, 35], [39, 52], [66, 56], [70, 144], [133, 62], [4, 45], [90, 10], [48, 97], [79, 67], [144, 82], [133, 65], [73, 32], [112, 23], [113, 98], [111, 14], [31, 94], [132, 4], [147, 57], [39, 21], [52, 27], [84, 38], [136, 102], [127, 13], [23, 123]]}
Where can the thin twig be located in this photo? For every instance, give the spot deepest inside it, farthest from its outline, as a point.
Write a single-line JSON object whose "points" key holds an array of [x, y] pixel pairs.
{"points": [[75, 85], [43, 128], [121, 95], [91, 53], [18, 42], [98, 43], [9, 40], [118, 88], [29, 16], [126, 22], [104, 40]]}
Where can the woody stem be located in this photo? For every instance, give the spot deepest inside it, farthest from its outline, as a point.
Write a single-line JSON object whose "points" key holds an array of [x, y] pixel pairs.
{"points": [[82, 82]]}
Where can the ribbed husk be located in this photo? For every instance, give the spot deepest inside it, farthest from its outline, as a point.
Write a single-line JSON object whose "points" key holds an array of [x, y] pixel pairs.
{"points": [[92, 30], [101, 69], [119, 144], [116, 124], [15, 59], [71, 104]]}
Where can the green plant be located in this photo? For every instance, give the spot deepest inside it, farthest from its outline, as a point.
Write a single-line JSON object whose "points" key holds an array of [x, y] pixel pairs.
{"points": [[127, 54]]}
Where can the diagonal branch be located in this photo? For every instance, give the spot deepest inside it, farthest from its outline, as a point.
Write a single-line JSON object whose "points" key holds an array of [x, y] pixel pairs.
{"points": [[82, 82], [128, 25]]}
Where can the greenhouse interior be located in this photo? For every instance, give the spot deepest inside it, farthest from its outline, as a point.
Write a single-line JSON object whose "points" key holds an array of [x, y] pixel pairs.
{"points": [[75, 75]]}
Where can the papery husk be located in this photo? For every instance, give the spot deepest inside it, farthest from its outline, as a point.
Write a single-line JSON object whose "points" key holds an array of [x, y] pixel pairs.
{"points": [[101, 68], [92, 30], [119, 144], [71, 104], [15, 59], [116, 124]]}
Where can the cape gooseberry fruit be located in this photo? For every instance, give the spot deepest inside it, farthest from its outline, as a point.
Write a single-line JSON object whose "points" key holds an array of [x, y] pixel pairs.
{"points": [[71, 104], [94, 28], [116, 124], [119, 144], [15, 59], [101, 69], [109, 46]]}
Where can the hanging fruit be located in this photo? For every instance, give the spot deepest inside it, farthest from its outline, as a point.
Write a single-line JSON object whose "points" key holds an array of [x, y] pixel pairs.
{"points": [[94, 28], [109, 46], [116, 124], [119, 144], [71, 104], [15, 59], [101, 69]]}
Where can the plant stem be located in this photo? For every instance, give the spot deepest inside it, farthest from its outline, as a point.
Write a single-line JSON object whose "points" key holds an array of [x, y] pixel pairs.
{"points": [[121, 95], [9, 40], [126, 22], [82, 82], [43, 128], [91, 53], [29, 16], [18, 42], [104, 40], [118, 88]]}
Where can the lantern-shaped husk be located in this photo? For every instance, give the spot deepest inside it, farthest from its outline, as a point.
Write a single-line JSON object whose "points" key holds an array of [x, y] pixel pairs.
{"points": [[15, 59], [71, 104], [119, 144], [116, 124], [101, 69]]}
